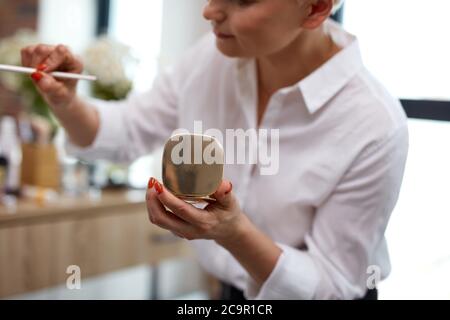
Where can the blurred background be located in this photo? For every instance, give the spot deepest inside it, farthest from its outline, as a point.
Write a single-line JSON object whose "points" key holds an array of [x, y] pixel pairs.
{"points": [[57, 212]]}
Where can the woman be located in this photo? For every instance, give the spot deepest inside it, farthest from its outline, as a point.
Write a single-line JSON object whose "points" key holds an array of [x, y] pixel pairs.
{"points": [[315, 228]]}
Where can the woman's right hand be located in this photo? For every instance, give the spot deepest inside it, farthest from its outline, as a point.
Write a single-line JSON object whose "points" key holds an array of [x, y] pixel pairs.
{"points": [[80, 120], [59, 93]]}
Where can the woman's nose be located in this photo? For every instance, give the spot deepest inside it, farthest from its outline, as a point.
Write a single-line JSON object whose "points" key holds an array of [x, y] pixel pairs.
{"points": [[214, 11]]}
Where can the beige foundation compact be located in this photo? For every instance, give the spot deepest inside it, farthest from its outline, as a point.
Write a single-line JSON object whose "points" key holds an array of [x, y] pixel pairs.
{"points": [[192, 166]]}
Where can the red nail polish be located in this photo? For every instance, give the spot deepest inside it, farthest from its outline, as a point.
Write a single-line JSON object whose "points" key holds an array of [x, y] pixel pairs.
{"points": [[231, 188], [41, 67], [151, 183], [158, 187], [36, 76]]}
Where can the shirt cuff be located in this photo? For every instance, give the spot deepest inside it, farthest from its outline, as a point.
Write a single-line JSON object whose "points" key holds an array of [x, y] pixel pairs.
{"points": [[110, 135], [295, 277]]}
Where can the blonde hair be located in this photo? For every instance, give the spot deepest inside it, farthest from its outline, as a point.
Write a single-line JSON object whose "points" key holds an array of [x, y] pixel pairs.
{"points": [[337, 5]]}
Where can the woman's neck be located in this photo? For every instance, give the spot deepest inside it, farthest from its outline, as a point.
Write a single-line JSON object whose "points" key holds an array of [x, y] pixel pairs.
{"points": [[310, 50]]}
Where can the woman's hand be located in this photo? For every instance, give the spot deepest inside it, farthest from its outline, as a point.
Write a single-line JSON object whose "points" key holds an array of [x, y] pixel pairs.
{"points": [[59, 94], [221, 221], [80, 120]]}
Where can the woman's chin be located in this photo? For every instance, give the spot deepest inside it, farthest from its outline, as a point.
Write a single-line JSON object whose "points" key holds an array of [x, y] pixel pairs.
{"points": [[228, 49]]}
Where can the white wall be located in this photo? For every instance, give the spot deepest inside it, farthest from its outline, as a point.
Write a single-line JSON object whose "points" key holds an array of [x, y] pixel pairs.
{"points": [[137, 24], [70, 22], [183, 24]]}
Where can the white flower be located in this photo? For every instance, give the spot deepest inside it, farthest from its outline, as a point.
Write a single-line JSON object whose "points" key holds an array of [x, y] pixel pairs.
{"points": [[10, 54], [107, 59]]}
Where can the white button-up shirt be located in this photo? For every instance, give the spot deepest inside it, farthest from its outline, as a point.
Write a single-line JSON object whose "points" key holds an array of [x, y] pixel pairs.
{"points": [[343, 144]]}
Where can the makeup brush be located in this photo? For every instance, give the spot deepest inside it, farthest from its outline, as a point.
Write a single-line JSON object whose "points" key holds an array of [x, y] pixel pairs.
{"points": [[56, 74]]}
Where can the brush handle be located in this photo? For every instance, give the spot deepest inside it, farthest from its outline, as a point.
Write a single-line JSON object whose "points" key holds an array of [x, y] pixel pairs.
{"points": [[56, 74]]}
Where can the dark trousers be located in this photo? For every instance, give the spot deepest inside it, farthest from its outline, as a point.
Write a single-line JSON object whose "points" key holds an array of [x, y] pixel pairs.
{"points": [[231, 293]]}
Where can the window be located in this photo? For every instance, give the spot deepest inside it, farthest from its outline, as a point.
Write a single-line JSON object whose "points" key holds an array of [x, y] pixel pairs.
{"points": [[404, 43], [138, 24]]}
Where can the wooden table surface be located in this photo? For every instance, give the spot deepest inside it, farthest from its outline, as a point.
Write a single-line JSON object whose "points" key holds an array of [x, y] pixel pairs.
{"points": [[30, 210]]}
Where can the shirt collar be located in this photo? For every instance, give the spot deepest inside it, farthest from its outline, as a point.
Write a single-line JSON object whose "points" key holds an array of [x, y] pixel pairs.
{"points": [[325, 82]]}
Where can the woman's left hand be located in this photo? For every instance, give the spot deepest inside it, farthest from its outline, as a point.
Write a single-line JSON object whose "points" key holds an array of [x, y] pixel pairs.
{"points": [[221, 220]]}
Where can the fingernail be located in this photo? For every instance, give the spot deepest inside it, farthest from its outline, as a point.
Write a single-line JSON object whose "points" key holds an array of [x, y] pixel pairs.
{"points": [[158, 187], [151, 183], [36, 76], [41, 67], [231, 188]]}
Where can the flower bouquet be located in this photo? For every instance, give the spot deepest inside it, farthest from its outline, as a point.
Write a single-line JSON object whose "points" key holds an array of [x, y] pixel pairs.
{"points": [[109, 60], [21, 85]]}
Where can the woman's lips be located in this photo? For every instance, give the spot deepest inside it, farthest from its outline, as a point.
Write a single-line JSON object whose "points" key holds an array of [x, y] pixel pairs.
{"points": [[223, 35]]}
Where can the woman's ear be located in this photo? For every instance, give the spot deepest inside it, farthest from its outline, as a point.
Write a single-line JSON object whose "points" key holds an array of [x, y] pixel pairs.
{"points": [[318, 12]]}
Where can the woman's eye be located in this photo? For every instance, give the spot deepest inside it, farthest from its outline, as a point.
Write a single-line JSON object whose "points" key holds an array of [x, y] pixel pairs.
{"points": [[241, 3], [244, 2]]}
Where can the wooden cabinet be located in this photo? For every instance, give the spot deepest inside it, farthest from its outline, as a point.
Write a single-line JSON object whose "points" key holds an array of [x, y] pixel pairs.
{"points": [[38, 244]]}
